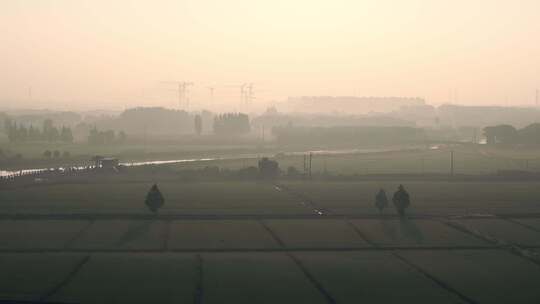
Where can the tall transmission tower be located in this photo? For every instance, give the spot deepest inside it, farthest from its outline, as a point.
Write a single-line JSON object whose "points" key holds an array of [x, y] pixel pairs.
{"points": [[243, 92], [183, 92], [249, 94]]}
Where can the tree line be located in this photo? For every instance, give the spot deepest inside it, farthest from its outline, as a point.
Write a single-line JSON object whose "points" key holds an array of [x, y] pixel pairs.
{"points": [[347, 134], [48, 132], [231, 124], [508, 134], [97, 137]]}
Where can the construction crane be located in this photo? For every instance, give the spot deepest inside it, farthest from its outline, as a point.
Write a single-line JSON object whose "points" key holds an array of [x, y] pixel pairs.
{"points": [[183, 90]]}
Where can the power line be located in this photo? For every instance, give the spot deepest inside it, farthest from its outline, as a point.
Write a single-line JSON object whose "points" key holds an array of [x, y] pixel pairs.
{"points": [[183, 92]]}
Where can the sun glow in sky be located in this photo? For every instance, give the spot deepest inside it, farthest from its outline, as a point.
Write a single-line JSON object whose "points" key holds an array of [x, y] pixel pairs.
{"points": [[113, 54]]}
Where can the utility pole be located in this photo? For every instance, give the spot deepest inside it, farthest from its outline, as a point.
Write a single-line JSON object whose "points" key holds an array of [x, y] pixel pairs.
{"points": [[310, 160], [183, 92], [183, 87], [305, 165], [243, 94], [452, 163], [144, 140], [249, 94]]}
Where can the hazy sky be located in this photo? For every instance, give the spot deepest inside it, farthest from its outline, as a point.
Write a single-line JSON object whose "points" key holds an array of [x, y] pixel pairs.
{"points": [[105, 53]]}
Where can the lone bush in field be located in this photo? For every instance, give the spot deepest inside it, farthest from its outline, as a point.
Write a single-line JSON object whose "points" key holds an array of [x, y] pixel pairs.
{"points": [[401, 200], [154, 199], [381, 201]]}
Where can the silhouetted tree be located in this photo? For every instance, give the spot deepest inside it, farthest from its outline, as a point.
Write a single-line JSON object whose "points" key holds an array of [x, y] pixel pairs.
{"points": [[108, 136], [11, 129], [20, 132], [381, 201], [34, 133], [503, 134], [198, 124], [346, 134], [530, 134], [50, 133], [96, 137], [154, 199], [66, 135], [231, 124], [47, 154], [268, 169], [56, 154], [93, 137], [401, 200], [122, 137]]}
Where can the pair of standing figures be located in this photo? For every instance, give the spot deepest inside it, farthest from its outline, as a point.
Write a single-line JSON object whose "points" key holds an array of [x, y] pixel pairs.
{"points": [[400, 199]]}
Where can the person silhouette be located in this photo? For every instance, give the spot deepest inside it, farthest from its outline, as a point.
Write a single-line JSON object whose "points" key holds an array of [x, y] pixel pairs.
{"points": [[401, 200]]}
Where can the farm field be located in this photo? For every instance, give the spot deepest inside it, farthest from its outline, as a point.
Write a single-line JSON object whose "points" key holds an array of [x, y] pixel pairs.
{"points": [[533, 224], [53, 234], [316, 233], [443, 198], [133, 278], [255, 278], [419, 233], [249, 198], [484, 276], [411, 276], [373, 277], [30, 277], [505, 231], [128, 198], [395, 160], [219, 234], [254, 242], [122, 234]]}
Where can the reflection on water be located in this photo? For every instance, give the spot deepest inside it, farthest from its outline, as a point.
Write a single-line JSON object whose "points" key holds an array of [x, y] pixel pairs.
{"points": [[5, 173]]}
